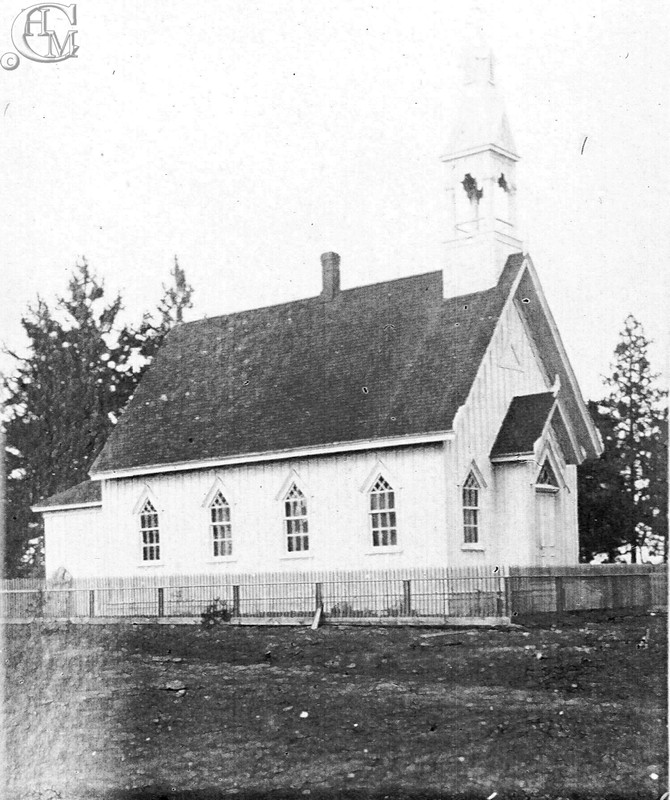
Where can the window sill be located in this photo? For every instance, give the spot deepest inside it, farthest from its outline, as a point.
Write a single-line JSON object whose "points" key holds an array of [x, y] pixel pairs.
{"points": [[150, 564], [378, 551], [292, 556], [477, 548], [222, 560], [543, 488]]}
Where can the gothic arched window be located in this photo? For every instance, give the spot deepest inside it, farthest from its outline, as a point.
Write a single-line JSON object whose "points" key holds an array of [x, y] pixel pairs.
{"points": [[151, 549], [220, 527], [297, 528], [383, 514], [471, 489]]}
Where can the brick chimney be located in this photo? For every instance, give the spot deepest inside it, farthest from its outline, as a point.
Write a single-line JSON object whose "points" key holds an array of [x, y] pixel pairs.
{"points": [[330, 268]]}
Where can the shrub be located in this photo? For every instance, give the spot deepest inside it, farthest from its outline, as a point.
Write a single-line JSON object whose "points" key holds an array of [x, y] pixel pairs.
{"points": [[214, 613]]}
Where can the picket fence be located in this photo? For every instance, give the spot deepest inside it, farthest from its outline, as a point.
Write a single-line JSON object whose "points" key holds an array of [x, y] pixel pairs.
{"points": [[433, 594]]}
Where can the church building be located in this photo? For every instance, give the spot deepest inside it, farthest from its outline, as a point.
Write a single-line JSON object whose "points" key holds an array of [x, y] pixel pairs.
{"points": [[432, 420]]}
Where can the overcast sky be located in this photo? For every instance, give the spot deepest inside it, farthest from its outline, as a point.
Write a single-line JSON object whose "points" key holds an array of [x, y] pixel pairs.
{"points": [[249, 137]]}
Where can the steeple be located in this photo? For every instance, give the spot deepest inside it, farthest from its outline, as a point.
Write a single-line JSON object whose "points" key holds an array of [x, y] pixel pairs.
{"points": [[481, 178]]}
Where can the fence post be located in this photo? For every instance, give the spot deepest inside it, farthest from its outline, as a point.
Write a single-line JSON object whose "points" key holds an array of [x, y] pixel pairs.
{"points": [[649, 591], [318, 596], [507, 585], [614, 587], [560, 595], [406, 598], [236, 601], [161, 602], [501, 599], [91, 602]]}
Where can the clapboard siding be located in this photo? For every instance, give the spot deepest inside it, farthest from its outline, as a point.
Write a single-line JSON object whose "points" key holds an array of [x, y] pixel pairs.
{"points": [[337, 507]]}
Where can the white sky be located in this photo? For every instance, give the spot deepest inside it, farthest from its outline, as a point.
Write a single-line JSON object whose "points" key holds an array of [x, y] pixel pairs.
{"points": [[248, 138]]}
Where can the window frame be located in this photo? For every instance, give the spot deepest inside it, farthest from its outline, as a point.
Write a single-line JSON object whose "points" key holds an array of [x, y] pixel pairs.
{"points": [[150, 534], [225, 524], [293, 536], [471, 484], [387, 508]]}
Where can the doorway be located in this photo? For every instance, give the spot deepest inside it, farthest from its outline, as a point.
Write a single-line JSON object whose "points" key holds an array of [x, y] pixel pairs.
{"points": [[546, 508]]}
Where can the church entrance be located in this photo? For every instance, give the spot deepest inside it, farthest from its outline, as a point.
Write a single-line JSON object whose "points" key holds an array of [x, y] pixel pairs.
{"points": [[546, 518], [546, 513]]}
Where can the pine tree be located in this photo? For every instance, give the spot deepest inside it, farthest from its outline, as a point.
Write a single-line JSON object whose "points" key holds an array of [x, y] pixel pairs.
{"points": [[176, 299], [601, 495], [66, 395], [59, 402], [623, 506]]}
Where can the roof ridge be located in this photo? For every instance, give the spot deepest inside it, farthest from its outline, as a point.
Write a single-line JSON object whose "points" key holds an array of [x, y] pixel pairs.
{"points": [[312, 298]]}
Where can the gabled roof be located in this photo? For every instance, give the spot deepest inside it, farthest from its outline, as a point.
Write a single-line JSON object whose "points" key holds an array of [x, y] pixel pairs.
{"points": [[541, 325], [86, 493], [387, 360], [523, 424]]}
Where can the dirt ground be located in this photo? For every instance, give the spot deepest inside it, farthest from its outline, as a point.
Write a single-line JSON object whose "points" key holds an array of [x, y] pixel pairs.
{"points": [[573, 710]]}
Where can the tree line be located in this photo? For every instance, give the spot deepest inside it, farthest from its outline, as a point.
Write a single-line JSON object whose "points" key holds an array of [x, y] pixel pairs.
{"points": [[623, 496], [66, 393], [81, 367]]}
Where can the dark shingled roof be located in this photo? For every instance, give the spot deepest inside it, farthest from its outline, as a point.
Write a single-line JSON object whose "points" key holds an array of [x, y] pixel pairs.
{"points": [[523, 424], [383, 360], [84, 492]]}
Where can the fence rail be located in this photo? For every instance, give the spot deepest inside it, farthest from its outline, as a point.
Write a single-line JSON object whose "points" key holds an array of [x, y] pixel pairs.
{"points": [[432, 594]]}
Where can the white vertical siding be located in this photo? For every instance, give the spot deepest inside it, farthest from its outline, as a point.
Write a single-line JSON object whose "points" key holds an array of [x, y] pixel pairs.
{"points": [[427, 480], [515, 539], [74, 540], [339, 531], [508, 525]]}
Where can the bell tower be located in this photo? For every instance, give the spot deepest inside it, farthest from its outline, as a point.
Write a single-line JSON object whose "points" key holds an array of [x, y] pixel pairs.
{"points": [[481, 162]]}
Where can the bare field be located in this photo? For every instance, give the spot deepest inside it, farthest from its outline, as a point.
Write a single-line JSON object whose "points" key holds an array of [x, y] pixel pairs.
{"points": [[574, 710]]}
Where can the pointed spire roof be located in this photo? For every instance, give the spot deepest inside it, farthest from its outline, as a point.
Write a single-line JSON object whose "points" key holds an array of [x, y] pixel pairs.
{"points": [[481, 120]]}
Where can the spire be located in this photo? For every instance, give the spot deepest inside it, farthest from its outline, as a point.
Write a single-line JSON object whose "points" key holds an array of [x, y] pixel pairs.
{"points": [[478, 61], [481, 176], [481, 119]]}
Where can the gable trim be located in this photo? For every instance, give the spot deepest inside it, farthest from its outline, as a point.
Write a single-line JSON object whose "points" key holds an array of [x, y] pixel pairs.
{"points": [[146, 494], [474, 469], [560, 412], [217, 486], [279, 455], [594, 435], [292, 478], [548, 454], [379, 470]]}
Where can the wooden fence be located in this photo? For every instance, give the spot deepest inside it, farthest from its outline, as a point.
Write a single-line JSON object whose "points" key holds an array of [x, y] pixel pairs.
{"points": [[432, 594]]}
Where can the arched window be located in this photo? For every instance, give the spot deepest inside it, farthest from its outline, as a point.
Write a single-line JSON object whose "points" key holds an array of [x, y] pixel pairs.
{"points": [[220, 527], [151, 549], [383, 514], [295, 512], [471, 489]]}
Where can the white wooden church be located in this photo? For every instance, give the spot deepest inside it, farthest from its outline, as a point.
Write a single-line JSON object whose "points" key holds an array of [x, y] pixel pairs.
{"points": [[433, 420]]}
